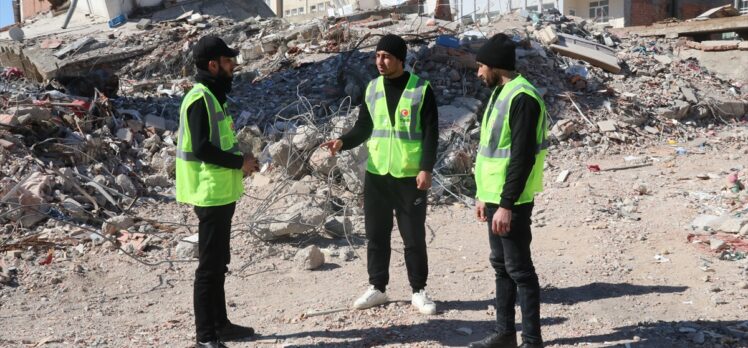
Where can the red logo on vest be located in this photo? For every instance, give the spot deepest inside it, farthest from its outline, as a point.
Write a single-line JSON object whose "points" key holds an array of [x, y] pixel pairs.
{"points": [[405, 113]]}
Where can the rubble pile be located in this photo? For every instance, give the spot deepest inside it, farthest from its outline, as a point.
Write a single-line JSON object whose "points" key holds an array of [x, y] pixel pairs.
{"points": [[83, 151]]}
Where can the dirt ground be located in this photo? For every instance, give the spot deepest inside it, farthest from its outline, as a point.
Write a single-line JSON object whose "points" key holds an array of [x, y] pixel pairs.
{"points": [[611, 250]]}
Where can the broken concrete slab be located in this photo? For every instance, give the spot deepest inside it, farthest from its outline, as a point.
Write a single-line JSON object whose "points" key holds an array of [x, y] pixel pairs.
{"points": [[727, 108], [677, 112], [322, 161], [455, 116], [706, 223], [719, 45], [563, 129], [689, 94], [547, 36], [732, 224], [743, 46], [598, 55], [74, 47], [144, 24]]}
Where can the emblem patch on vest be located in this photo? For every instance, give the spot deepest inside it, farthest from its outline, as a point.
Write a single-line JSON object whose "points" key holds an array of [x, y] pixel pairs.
{"points": [[404, 113]]}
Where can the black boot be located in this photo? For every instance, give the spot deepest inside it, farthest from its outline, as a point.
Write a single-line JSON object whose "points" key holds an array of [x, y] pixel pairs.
{"points": [[496, 340], [531, 345], [231, 331], [211, 344]]}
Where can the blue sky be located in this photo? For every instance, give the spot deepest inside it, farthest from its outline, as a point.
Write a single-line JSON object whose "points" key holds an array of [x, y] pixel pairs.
{"points": [[6, 13]]}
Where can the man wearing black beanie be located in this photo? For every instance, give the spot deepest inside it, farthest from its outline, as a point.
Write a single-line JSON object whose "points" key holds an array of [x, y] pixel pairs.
{"points": [[399, 119], [508, 173]]}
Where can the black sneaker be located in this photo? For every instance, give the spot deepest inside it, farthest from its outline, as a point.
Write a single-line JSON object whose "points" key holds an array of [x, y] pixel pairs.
{"points": [[231, 331], [496, 340], [211, 344], [531, 345]]}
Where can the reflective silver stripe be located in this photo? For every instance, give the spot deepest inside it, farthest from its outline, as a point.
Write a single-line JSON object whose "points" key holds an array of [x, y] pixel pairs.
{"points": [[187, 156], [380, 133], [408, 135], [417, 96], [372, 96], [506, 153], [498, 125], [494, 152]]}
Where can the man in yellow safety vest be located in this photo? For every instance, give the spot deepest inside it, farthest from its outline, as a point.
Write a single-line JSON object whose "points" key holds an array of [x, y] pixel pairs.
{"points": [[399, 119], [508, 172], [209, 174]]}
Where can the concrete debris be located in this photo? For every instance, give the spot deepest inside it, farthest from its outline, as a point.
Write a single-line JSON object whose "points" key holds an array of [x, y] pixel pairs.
{"points": [[116, 224], [188, 248], [339, 226], [309, 258]]}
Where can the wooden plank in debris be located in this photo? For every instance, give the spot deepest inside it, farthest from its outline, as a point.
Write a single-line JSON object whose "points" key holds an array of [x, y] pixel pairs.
{"points": [[715, 25], [595, 54], [78, 44]]}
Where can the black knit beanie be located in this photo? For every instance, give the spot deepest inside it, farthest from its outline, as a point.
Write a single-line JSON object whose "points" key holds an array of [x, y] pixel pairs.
{"points": [[498, 52], [394, 45]]}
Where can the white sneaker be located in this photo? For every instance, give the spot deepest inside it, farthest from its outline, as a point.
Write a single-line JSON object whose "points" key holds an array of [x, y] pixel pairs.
{"points": [[424, 304], [372, 297]]}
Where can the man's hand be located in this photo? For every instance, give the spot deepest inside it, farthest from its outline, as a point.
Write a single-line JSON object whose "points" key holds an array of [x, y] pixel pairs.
{"points": [[502, 219], [480, 210], [423, 180], [333, 145], [250, 165]]}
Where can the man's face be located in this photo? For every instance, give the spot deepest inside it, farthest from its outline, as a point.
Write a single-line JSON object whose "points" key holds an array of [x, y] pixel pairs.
{"points": [[488, 75], [388, 65], [224, 66]]}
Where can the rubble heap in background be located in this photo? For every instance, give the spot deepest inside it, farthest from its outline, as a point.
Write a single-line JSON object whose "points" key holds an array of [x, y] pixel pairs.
{"points": [[84, 151]]}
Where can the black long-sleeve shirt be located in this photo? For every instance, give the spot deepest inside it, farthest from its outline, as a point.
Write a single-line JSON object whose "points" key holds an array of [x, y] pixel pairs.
{"points": [[523, 121], [393, 90], [199, 122]]}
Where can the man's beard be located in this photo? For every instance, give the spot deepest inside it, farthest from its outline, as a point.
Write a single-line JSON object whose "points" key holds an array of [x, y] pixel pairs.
{"points": [[225, 79]]}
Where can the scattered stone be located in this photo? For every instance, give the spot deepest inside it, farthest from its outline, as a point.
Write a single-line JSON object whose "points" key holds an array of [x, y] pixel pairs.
{"points": [[338, 226], [124, 182], [641, 189], [188, 247], [260, 180], [563, 129], [742, 285], [310, 258], [689, 95], [732, 224], [678, 112], [285, 156], [346, 253], [322, 161], [663, 59], [716, 244], [306, 138], [144, 24], [563, 176], [607, 126], [706, 222], [115, 224], [159, 180]]}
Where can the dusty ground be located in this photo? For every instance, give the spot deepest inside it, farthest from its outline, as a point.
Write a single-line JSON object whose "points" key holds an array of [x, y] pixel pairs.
{"points": [[595, 241]]}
